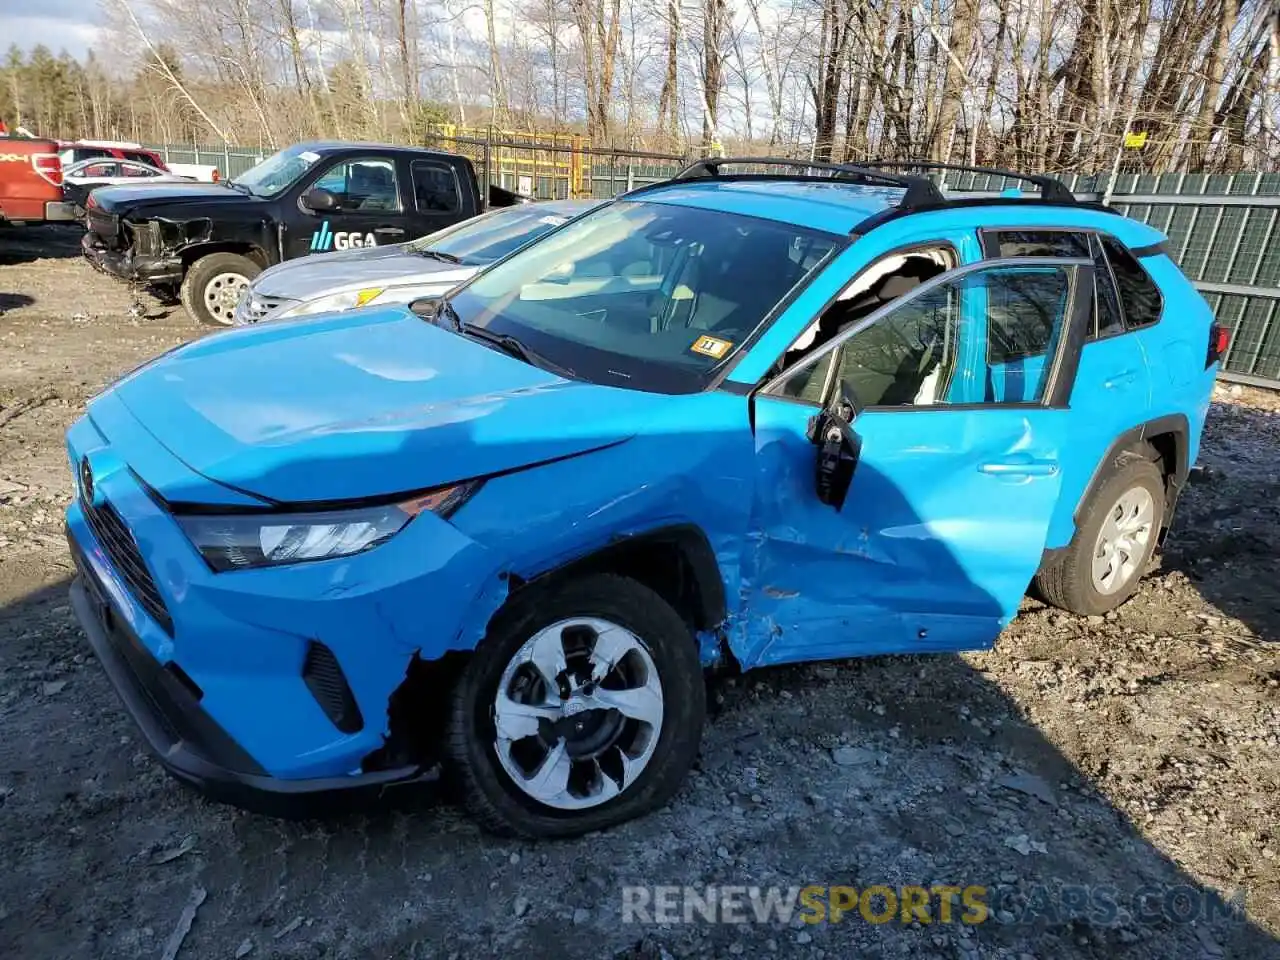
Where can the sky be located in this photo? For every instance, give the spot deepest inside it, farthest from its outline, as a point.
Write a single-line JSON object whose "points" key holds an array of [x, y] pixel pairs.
{"points": [[70, 25]]}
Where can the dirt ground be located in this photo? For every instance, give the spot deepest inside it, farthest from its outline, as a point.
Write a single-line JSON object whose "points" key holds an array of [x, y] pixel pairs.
{"points": [[1136, 752]]}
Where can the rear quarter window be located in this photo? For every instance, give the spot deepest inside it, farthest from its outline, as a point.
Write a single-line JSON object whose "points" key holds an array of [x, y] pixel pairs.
{"points": [[1140, 298]]}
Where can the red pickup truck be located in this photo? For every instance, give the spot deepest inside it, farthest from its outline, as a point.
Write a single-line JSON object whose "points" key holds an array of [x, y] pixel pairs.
{"points": [[31, 182]]}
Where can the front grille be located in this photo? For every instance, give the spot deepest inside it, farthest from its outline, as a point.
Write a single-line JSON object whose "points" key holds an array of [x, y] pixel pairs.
{"points": [[324, 678], [121, 549]]}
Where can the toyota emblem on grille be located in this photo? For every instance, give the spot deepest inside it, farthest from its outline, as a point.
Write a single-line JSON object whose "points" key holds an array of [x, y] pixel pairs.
{"points": [[86, 481]]}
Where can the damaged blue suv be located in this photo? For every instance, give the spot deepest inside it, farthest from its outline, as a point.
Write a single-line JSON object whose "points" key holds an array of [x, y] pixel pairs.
{"points": [[762, 413]]}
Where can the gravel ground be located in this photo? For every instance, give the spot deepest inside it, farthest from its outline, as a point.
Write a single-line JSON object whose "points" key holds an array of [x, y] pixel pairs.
{"points": [[1136, 751]]}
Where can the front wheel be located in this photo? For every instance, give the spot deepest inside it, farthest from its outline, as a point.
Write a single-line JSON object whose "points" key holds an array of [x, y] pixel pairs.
{"points": [[582, 708], [213, 284]]}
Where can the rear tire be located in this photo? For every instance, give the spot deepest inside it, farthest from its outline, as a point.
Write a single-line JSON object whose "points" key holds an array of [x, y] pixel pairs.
{"points": [[1114, 540], [504, 769], [212, 287]]}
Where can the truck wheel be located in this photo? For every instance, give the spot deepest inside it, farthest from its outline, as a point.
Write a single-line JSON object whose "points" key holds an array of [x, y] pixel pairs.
{"points": [[211, 289], [1114, 541], [581, 708]]}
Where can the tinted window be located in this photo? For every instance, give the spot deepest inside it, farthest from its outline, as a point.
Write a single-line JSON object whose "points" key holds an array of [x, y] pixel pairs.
{"points": [[646, 295], [139, 157], [1139, 296], [362, 185], [1023, 313], [1041, 243], [435, 187], [1107, 317]]}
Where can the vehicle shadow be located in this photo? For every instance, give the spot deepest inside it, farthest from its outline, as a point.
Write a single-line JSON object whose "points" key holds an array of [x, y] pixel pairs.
{"points": [[892, 772], [12, 301], [39, 242]]}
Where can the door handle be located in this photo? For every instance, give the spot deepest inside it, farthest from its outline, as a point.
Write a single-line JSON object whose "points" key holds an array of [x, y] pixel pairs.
{"points": [[390, 231], [1020, 467], [1119, 379]]}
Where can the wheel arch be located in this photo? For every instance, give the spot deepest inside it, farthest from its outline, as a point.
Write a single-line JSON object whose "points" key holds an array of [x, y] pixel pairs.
{"points": [[677, 562], [243, 248], [1168, 437]]}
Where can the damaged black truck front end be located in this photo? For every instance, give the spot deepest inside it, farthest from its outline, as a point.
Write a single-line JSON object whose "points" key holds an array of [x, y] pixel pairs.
{"points": [[207, 242]]}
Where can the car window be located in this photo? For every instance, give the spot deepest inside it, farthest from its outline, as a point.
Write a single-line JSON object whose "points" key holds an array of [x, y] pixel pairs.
{"points": [[986, 336], [1139, 296], [136, 170], [362, 185], [1108, 318], [435, 186], [87, 153], [104, 169], [138, 157], [647, 295], [492, 236], [278, 171]]}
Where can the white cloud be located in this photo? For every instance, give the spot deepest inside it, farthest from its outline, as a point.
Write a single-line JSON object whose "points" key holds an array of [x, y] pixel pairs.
{"points": [[55, 32]]}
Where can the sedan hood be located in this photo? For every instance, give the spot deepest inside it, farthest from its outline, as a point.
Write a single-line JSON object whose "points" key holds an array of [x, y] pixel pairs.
{"points": [[365, 403], [309, 277]]}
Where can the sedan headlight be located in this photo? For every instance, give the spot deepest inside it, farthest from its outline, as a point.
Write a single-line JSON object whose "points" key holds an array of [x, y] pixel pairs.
{"points": [[333, 303], [242, 541]]}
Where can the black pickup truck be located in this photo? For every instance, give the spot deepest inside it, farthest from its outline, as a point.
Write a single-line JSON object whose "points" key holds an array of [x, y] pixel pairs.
{"points": [[206, 241]]}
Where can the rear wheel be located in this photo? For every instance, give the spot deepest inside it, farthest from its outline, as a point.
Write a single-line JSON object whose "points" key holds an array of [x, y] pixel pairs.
{"points": [[582, 708], [213, 284], [1114, 540]]}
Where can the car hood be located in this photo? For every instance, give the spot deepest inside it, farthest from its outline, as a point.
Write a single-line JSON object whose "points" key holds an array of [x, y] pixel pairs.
{"points": [[308, 277], [365, 403], [116, 199]]}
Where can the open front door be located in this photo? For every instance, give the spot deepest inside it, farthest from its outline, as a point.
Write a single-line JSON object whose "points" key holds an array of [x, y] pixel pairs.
{"points": [[962, 387]]}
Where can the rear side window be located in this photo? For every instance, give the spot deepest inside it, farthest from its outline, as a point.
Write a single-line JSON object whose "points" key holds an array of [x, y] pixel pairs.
{"points": [[1023, 314], [1037, 243], [435, 187], [140, 158], [1139, 296]]}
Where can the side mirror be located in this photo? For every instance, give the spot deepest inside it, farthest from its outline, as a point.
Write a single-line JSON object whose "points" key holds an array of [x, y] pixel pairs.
{"points": [[839, 447], [320, 200]]}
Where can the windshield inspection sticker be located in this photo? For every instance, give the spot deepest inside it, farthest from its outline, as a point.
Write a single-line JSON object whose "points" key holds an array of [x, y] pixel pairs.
{"points": [[711, 347], [552, 220], [309, 156]]}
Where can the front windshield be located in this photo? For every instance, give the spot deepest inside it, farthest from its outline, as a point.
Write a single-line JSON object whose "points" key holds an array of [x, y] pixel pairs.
{"points": [[278, 171], [484, 239], [646, 295]]}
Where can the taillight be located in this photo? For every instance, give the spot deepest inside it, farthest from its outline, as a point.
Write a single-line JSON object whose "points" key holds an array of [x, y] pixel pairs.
{"points": [[49, 166], [216, 175], [1219, 340]]}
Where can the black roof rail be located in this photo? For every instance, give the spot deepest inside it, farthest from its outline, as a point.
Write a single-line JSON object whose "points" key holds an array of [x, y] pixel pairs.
{"points": [[920, 191], [1051, 188]]}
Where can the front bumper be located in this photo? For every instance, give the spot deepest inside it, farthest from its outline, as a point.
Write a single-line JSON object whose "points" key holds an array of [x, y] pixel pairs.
{"points": [[127, 265], [188, 742]]}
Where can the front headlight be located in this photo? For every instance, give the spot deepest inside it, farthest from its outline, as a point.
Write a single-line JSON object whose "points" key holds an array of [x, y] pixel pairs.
{"points": [[333, 303], [242, 541]]}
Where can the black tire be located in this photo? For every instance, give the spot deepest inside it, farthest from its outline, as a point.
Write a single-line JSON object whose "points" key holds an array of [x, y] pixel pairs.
{"points": [[1067, 581], [485, 788], [209, 269]]}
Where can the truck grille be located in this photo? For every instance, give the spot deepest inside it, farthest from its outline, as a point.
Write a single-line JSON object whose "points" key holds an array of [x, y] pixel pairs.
{"points": [[121, 549]]}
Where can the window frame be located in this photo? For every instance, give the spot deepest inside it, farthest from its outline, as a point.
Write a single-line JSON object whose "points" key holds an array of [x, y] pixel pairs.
{"points": [[915, 246], [314, 182], [457, 186], [1062, 376], [1137, 261], [990, 245]]}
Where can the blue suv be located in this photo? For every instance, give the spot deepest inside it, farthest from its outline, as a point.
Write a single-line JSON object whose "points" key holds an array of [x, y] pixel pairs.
{"points": [[762, 413]]}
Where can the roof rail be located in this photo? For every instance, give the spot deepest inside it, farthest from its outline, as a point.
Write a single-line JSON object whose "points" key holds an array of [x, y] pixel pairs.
{"points": [[1051, 188], [920, 191]]}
